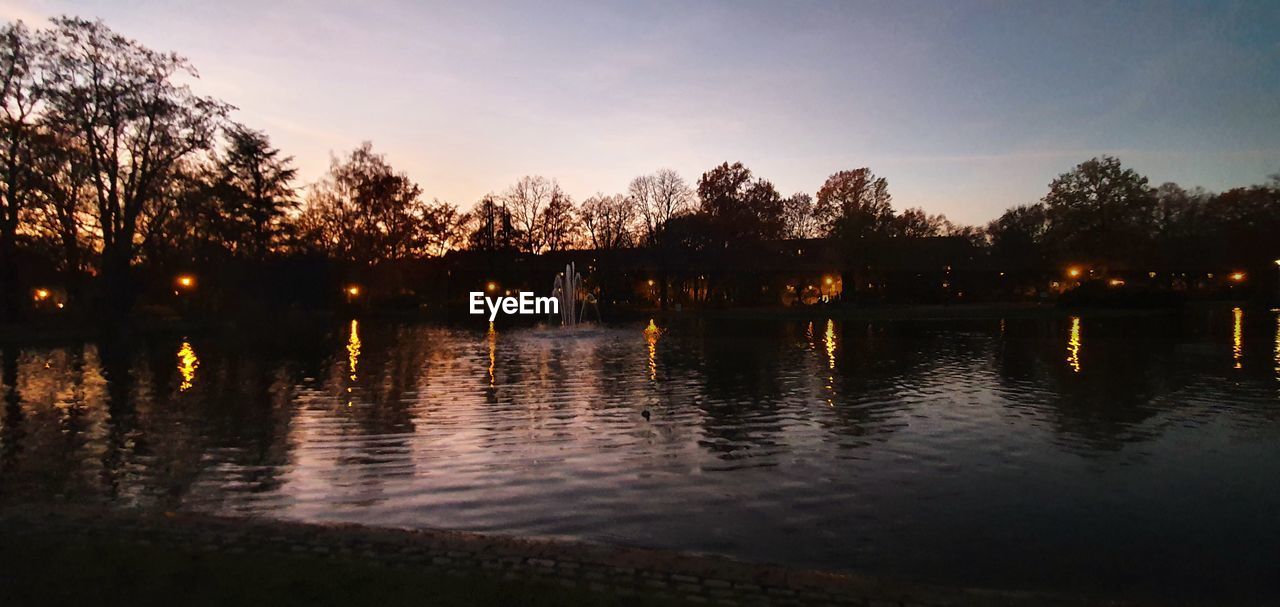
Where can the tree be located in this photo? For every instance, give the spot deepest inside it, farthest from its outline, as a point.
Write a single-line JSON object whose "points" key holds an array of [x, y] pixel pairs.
{"points": [[657, 198], [1100, 211], [22, 102], [558, 225], [527, 200], [855, 204], [60, 214], [442, 228], [1246, 221], [799, 219], [253, 186], [1018, 236], [608, 220], [363, 210], [740, 207], [916, 223], [491, 227], [134, 122]]}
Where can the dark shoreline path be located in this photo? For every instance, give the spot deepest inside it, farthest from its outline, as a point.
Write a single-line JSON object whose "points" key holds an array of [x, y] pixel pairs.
{"points": [[519, 571]]}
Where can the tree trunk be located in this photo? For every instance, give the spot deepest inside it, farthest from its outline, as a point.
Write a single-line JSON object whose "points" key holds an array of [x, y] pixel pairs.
{"points": [[10, 291], [117, 282]]}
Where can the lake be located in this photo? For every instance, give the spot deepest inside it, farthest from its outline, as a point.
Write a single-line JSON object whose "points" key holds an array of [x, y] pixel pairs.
{"points": [[1122, 454]]}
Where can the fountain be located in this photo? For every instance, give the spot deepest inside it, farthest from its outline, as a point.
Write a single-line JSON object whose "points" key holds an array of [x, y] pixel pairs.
{"points": [[565, 292]]}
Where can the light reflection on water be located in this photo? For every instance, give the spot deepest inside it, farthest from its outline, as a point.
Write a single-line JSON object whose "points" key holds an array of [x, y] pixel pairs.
{"points": [[960, 450], [1073, 345], [187, 364]]}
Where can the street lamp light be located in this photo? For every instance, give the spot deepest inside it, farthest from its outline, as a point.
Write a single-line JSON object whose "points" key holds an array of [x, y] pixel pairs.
{"points": [[186, 281]]}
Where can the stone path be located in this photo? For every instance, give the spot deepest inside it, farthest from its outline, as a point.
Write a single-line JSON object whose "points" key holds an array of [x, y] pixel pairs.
{"points": [[626, 571]]}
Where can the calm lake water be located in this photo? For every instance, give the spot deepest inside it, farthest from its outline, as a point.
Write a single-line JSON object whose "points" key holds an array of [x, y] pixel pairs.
{"points": [[1135, 454]]}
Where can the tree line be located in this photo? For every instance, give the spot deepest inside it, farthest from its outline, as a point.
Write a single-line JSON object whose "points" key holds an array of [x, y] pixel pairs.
{"points": [[109, 161]]}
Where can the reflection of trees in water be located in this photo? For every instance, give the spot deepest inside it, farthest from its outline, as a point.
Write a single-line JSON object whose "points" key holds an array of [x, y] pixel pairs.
{"points": [[11, 425], [866, 372], [742, 366], [357, 431], [112, 421], [57, 393], [1100, 386]]}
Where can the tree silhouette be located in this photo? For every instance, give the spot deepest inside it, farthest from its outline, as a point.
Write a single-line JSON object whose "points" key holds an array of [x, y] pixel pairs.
{"points": [[740, 207], [528, 200], [492, 228], [135, 123], [363, 210], [608, 220], [856, 204], [658, 197], [1100, 210], [253, 185], [1017, 237], [22, 96], [799, 216], [559, 225]]}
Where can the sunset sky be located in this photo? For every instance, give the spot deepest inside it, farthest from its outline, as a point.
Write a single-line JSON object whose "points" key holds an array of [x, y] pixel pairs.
{"points": [[965, 107]]}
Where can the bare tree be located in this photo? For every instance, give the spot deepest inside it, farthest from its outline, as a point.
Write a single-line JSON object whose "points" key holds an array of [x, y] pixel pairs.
{"points": [[60, 215], [528, 200], [609, 221], [558, 225], [657, 198], [443, 228], [489, 227]]}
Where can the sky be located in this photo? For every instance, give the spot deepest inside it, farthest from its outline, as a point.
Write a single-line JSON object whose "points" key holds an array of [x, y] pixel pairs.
{"points": [[967, 108]]}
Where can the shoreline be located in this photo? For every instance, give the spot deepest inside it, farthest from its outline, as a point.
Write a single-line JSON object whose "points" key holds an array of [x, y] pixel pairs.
{"points": [[602, 574], [53, 331]]}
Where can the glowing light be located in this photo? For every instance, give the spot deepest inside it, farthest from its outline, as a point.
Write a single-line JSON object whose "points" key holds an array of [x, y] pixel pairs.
{"points": [[188, 362], [829, 280], [493, 353], [41, 294], [1116, 282], [1237, 276], [353, 290], [1237, 336], [1277, 346], [831, 343], [492, 286], [353, 348], [651, 282], [651, 335], [1073, 345], [1074, 271], [186, 281]]}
